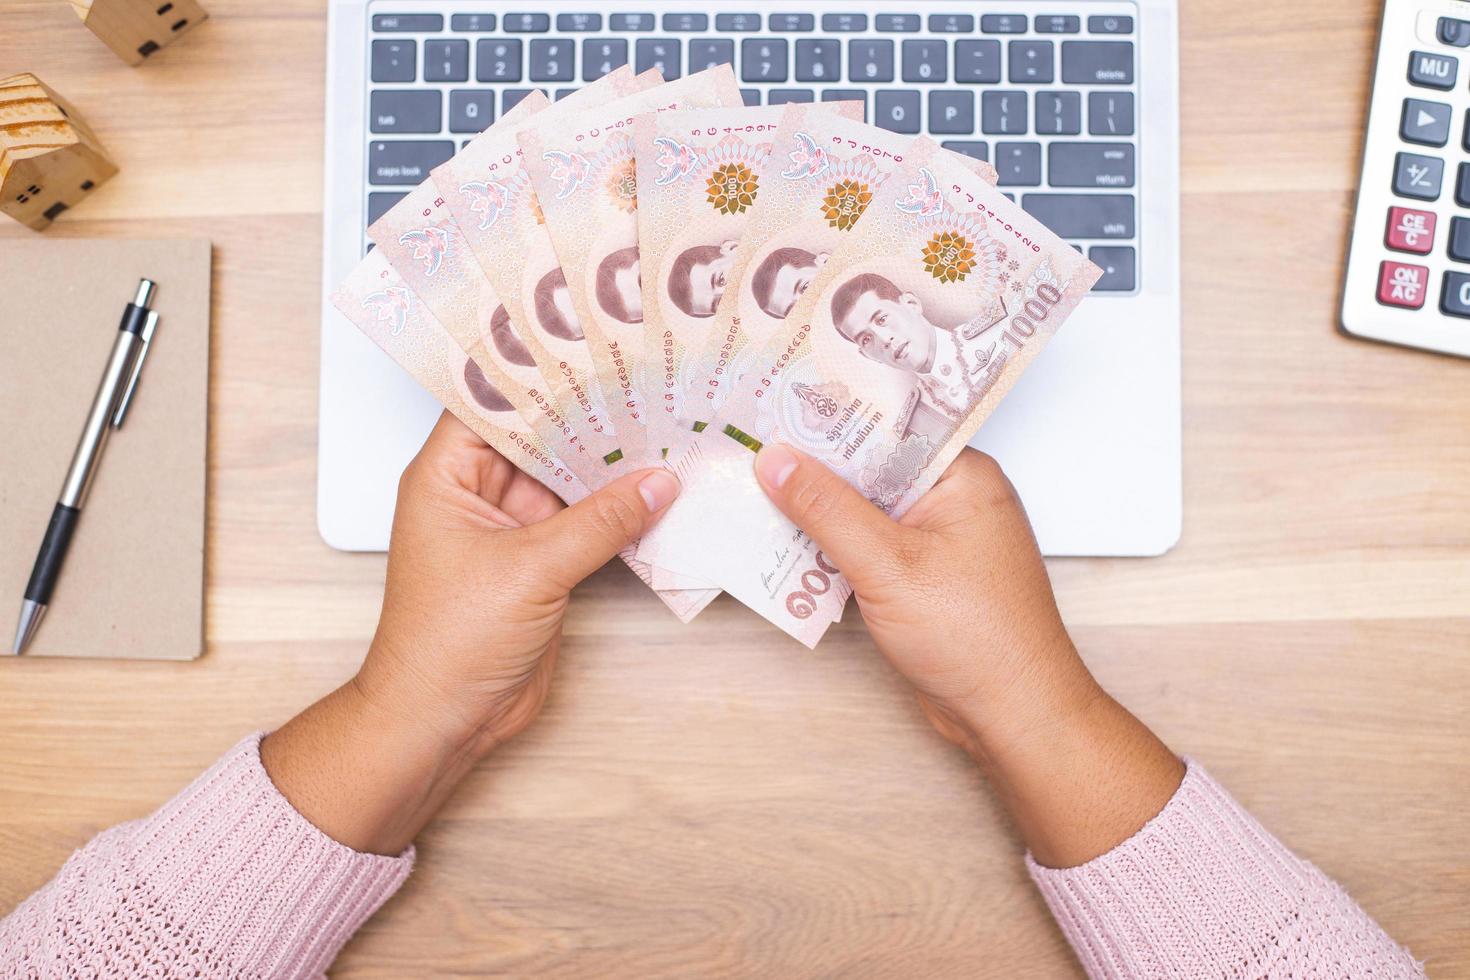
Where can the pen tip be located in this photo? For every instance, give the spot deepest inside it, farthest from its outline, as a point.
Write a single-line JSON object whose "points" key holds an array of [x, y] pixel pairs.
{"points": [[25, 628]]}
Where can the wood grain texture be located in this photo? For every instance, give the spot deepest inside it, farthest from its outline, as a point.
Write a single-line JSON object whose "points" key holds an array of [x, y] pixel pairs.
{"points": [[50, 160], [713, 800]]}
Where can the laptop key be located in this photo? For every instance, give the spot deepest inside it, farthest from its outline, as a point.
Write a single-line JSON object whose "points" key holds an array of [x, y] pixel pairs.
{"points": [[847, 95], [818, 61], [470, 110], [381, 202], [708, 53], [1059, 113], [1031, 61], [1090, 165], [1083, 215], [925, 61], [897, 23], [1058, 24], [1003, 24], [1429, 70], [578, 23], [562, 93], [630, 22], [780, 96], [1019, 164], [872, 61], [1110, 113], [976, 62], [497, 60], [472, 22], [1097, 62], [1417, 176], [1425, 123], [405, 161], [791, 22], [686, 22], [1119, 265], [763, 60], [658, 52], [951, 24], [951, 112], [750, 96], [738, 23], [1003, 113], [389, 23], [526, 23], [551, 60], [1109, 24], [600, 56], [447, 61], [395, 61], [412, 111], [897, 110], [512, 97], [844, 23], [978, 149]]}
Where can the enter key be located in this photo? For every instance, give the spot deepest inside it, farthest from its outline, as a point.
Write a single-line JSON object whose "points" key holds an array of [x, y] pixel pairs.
{"points": [[1090, 165]]}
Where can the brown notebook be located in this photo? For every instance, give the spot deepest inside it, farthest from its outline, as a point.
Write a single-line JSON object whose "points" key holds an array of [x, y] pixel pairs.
{"points": [[133, 583]]}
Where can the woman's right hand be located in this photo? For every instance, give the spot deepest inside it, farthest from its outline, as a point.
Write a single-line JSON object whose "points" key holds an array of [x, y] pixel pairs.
{"points": [[956, 596]]}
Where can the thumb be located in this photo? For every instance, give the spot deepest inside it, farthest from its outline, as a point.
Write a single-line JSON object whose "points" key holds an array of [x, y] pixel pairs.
{"points": [[843, 523], [581, 539]]}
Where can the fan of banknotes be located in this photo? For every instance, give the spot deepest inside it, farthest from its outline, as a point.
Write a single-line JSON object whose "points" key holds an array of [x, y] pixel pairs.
{"points": [[649, 273]]}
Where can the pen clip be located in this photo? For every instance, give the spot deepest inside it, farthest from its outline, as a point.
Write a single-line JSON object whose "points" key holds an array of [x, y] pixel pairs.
{"points": [[149, 325]]}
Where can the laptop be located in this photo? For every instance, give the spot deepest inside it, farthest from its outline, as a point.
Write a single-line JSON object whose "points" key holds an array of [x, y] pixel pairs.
{"points": [[1075, 102]]}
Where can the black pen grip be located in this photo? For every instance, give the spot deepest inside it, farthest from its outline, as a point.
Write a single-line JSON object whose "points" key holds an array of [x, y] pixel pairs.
{"points": [[53, 552]]}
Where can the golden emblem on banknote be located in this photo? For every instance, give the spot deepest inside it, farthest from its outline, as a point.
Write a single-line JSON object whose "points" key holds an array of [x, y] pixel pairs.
{"points": [[622, 185], [731, 188], [949, 256], [845, 202]]}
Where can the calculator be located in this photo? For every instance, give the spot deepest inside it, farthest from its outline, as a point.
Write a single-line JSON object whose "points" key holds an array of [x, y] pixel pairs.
{"points": [[1408, 273]]}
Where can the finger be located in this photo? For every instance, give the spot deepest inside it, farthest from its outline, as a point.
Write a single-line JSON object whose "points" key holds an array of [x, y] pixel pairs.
{"points": [[578, 541], [844, 524], [456, 451]]}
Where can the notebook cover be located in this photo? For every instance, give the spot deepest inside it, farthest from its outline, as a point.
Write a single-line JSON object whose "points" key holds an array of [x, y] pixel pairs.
{"points": [[133, 583]]}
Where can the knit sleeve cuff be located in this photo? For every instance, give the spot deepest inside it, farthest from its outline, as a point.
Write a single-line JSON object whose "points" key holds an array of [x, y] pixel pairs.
{"points": [[263, 888], [1203, 882]]}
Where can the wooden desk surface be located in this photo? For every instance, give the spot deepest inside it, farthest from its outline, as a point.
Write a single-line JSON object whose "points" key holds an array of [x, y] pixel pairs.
{"points": [[715, 800]]}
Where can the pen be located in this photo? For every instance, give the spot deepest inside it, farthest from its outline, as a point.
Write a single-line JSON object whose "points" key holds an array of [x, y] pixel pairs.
{"points": [[109, 407]]}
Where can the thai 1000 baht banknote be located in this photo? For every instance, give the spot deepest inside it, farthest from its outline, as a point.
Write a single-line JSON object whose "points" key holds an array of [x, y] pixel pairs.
{"points": [[584, 174], [823, 171], [487, 189], [910, 333], [381, 304], [699, 178]]}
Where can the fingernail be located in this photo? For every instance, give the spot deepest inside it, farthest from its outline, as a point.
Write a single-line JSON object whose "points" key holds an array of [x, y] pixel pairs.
{"points": [[774, 466], [658, 490]]}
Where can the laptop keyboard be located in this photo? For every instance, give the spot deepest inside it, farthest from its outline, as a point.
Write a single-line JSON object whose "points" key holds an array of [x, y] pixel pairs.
{"points": [[1049, 97]]}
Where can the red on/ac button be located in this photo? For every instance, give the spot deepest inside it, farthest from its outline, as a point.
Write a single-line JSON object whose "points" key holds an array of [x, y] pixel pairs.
{"points": [[1402, 285], [1410, 230]]}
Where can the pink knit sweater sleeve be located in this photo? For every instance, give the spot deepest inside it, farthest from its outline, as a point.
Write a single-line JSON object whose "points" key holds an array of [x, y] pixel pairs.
{"points": [[225, 880], [1202, 890]]}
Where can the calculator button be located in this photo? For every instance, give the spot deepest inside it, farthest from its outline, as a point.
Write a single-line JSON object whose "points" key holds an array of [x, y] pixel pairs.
{"points": [[1459, 242], [1425, 123], [1454, 31], [1405, 285], [1462, 186], [1410, 230], [1417, 176], [1433, 70], [1455, 300]]}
